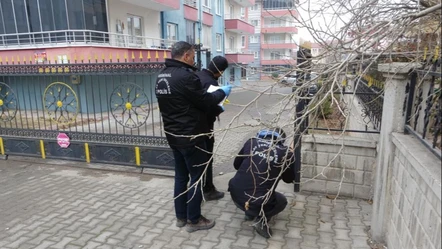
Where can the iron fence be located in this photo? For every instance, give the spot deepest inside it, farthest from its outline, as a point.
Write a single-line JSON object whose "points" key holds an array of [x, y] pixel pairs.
{"points": [[423, 107], [108, 111], [369, 95]]}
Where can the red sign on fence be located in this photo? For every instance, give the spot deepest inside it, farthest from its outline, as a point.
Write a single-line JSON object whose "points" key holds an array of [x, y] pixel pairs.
{"points": [[63, 140]]}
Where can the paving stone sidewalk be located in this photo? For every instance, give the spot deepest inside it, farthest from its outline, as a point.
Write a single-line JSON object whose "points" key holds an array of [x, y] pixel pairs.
{"points": [[55, 206]]}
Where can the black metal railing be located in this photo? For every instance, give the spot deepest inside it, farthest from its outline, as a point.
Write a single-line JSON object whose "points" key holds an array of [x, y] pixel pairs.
{"points": [[423, 109], [370, 95], [89, 101], [372, 100]]}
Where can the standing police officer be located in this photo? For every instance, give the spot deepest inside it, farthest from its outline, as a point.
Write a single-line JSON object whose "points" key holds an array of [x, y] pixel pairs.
{"points": [[183, 105]]}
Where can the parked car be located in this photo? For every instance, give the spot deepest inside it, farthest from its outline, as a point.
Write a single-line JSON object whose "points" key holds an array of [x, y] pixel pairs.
{"points": [[313, 87], [289, 79]]}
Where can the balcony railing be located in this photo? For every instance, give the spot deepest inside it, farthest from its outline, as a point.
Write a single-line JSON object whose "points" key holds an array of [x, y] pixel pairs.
{"points": [[277, 58], [229, 16], [278, 8], [207, 9], [278, 25], [81, 37], [278, 42], [190, 2], [237, 51]]}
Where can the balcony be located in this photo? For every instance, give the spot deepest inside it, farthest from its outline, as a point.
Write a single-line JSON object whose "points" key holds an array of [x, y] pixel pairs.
{"points": [[159, 5], [239, 56], [278, 45], [279, 13], [245, 3], [279, 28], [190, 10], [239, 26], [282, 60], [71, 38]]}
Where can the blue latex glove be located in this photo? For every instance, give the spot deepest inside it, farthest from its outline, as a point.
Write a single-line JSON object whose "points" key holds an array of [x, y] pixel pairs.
{"points": [[226, 89], [222, 108]]}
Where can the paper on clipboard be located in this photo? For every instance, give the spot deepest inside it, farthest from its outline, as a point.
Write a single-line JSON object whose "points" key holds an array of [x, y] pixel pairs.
{"points": [[213, 88]]}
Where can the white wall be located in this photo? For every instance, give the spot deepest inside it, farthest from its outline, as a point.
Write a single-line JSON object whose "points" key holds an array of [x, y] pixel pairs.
{"points": [[236, 10], [119, 10], [414, 217], [255, 15], [237, 44]]}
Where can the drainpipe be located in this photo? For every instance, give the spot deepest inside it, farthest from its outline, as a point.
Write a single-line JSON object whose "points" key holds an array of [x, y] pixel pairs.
{"points": [[109, 28], [163, 35], [223, 48], [200, 14]]}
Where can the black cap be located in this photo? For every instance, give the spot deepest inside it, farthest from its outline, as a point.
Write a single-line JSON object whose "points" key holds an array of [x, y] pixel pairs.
{"points": [[218, 64]]}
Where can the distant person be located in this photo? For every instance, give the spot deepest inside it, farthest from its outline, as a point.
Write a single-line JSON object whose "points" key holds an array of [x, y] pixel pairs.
{"points": [[183, 103], [259, 165], [209, 77]]}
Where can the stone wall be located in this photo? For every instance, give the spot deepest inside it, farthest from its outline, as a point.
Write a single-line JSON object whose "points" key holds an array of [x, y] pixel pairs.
{"points": [[414, 208], [333, 165]]}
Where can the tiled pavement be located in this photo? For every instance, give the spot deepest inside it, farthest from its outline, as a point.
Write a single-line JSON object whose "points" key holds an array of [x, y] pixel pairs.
{"points": [[54, 206]]}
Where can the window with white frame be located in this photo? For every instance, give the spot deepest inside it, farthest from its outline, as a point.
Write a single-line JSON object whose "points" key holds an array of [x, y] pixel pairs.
{"points": [[232, 47], [252, 70], [219, 42], [135, 29], [206, 5], [207, 36], [275, 55], [243, 13], [218, 4], [243, 41], [255, 7], [254, 39], [172, 31], [190, 32], [256, 54], [254, 22], [231, 12]]}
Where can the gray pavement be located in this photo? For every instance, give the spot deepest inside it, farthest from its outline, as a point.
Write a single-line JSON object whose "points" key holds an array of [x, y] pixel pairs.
{"points": [[58, 204], [243, 120]]}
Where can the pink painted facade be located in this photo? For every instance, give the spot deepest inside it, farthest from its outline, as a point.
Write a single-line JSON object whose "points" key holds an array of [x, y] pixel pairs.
{"points": [[190, 13], [174, 4], [239, 26], [239, 58], [207, 19], [86, 53]]}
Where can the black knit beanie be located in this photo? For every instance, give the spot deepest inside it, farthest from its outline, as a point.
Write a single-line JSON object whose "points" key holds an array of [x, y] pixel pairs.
{"points": [[218, 64]]}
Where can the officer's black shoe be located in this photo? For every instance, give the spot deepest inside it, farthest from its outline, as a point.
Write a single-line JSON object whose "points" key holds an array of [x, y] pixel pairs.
{"points": [[213, 195], [263, 230]]}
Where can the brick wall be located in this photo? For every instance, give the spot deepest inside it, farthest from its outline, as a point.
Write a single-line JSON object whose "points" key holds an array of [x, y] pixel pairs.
{"points": [[335, 165], [414, 217]]}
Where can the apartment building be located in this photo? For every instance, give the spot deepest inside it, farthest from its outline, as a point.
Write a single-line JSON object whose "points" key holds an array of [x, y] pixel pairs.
{"points": [[237, 30], [274, 43], [197, 22], [60, 30]]}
